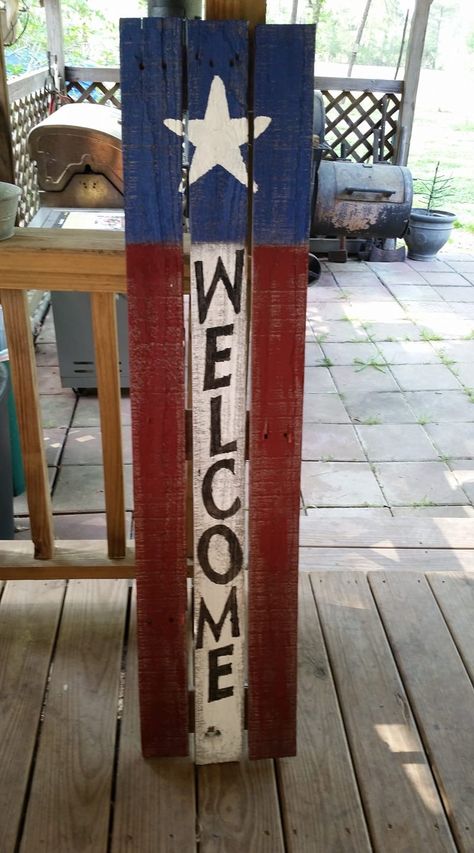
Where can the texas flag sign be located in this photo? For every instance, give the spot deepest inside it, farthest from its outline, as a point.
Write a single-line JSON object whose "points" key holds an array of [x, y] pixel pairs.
{"points": [[243, 630]]}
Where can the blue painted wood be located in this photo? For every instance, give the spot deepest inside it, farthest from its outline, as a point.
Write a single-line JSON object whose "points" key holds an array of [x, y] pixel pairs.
{"points": [[151, 82], [282, 155], [218, 202]]}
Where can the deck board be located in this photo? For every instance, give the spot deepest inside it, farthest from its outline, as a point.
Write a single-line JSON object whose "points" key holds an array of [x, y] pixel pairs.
{"points": [[386, 703], [154, 799], [29, 615], [322, 773], [380, 726], [70, 797], [440, 691]]}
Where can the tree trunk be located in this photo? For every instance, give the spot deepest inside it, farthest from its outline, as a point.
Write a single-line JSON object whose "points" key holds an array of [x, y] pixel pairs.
{"points": [[358, 37], [294, 12]]}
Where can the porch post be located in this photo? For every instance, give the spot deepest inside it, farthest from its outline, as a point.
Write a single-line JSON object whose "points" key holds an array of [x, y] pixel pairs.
{"points": [[414, 57], [7, 172], [54, 28]]}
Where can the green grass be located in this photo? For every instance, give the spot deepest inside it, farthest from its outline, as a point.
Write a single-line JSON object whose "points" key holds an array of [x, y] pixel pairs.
{"points": [[424, 502], [371, 421], [427, 335], [370, 362]]}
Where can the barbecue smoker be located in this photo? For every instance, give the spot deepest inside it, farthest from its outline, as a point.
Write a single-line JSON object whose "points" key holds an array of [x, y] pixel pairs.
{"points": [[78, 152], [355, 200]]}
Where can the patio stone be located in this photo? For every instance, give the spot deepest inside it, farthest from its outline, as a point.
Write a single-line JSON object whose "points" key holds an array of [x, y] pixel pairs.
{"points": [[370, 312], [331, 442], [80, 488], [332, 310], [339, 484], [339, 513], [384, 407], [465, 373], [466, 511], [20, 503], [318, 380], [406, 483], [424, 377], [426, 266], [446, 278], [56, 410], [53, 443], [453, 439], [461, 266], [441, 406], [84, 446], [463, 471], [403, 274], [469, 276], [349, 279], [408, 352], [359, 379], [413, 292], [351, 265], [324, 409], [47, 334], [46, 355], [367, 293], [87, 411], [396, 443], [312, 354], [339, 331], [345, 353], [49, 382], [401, 331], [325, 292], [456, 294]]}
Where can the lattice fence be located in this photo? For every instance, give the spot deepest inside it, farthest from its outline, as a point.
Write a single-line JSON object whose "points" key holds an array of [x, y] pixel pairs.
{"points": [[95, 92], [354, 119], [25, 112]]}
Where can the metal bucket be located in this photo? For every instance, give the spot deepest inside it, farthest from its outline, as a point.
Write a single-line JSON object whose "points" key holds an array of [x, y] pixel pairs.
{"points": [[175, 8], [9, 198]]}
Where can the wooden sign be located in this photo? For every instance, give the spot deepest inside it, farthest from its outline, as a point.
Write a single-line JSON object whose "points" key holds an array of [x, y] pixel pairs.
{"points": [[220, 192]]}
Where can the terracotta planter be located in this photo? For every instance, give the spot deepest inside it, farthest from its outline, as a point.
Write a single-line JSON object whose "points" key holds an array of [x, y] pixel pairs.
{"points": [[428, 231]]}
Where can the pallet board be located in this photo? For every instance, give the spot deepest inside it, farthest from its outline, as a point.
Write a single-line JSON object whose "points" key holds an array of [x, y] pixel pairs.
{"points": [[284, 68]]}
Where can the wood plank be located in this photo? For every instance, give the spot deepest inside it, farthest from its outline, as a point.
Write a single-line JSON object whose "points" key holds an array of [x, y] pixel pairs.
{"points": [[284, 69], [441, 694], [322, 773], [29, 615], [388, 559], [401, 803], [26, 84], [73, 558], [25, 386], [218, 190], [54, 30], [357, 84], [414, 56], [409, 532], [100, 74], [455, 596], [238, 808], [151, 53], [68, 252], [69, 802], [154, 799], [253, 11], [104, 324]]}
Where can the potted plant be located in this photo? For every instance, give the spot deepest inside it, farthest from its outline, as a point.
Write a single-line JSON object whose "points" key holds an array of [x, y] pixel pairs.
{"points": [[429, 228]]}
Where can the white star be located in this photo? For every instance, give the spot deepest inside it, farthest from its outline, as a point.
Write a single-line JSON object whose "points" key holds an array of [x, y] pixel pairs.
{"points": [[217, 137]]}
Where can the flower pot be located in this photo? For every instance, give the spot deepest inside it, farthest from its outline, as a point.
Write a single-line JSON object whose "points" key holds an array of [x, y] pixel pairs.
{"points": [[9, 198], [428, 231]]}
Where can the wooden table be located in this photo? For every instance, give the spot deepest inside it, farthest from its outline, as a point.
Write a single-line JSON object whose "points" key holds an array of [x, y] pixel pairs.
{"points": [[386, 723]]}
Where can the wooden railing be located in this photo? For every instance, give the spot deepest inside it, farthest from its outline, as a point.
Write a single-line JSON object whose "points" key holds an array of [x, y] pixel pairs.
{"points": [[79, 261]]}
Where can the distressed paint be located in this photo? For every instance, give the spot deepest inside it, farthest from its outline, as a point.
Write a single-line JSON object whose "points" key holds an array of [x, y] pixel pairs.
{"points": [[217, 98], [151, 61], [284, 67]]}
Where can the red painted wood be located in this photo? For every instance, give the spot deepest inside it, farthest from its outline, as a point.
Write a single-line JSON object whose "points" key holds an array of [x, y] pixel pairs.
{"points": [[277, 357], [157, 365]]}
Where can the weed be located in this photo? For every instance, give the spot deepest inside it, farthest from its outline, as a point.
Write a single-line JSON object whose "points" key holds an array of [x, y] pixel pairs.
{"points": [[424, 502], [326, 362], [444, 458], [444, 358], [422, 420], [470, 336], [469, 392], [370, 362], [428, 335], [321, 337], [371, 421], [327, 458]]}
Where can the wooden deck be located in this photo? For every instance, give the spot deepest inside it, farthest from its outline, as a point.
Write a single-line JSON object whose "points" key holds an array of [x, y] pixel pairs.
{"points": [[386, 723]]}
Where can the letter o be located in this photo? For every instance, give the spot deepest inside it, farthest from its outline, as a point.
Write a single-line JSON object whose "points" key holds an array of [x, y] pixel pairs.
{"points": [[235, 553]]}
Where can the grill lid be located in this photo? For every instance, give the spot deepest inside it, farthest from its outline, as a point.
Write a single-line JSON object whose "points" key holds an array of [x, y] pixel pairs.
{"points": [[75, 137]]}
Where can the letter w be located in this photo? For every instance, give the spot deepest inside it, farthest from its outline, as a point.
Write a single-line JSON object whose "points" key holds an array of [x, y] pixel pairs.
{"points": [[233, 292]]}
